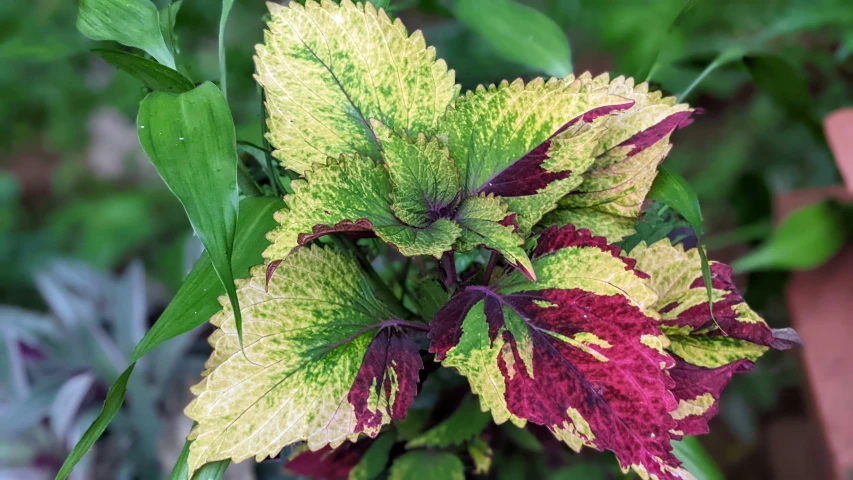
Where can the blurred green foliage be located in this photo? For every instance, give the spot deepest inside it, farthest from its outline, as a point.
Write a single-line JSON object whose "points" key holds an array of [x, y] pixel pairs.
{"points": [[764, 71]]}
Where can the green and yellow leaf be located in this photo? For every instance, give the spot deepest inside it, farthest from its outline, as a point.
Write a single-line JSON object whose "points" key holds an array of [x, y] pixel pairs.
{"points": [[735, 331], [634, 142], [328, 69], [323, 361]]}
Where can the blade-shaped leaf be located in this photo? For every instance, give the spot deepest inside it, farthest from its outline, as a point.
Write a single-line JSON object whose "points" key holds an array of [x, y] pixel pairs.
{"points": [[327, 69], [150, 73], [168, 17], [501, 138], [67, 402], [134, 23], [196, 300], [191, 141], [519, 33], [427, 465], [210, 471], [805, 239], [672, 190], [223, 71], [696, 459], [734, 332], [635, 141], [115, 397], [324, 361], [574, 351]]}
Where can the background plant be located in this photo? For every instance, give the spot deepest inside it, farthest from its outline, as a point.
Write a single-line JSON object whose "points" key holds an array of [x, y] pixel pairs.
{"points": [[764, 145]]}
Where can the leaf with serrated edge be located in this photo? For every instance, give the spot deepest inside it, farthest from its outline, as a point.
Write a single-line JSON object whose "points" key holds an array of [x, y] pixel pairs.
{"points": [[323, 363], [698, 391], [578, 351], [633, 143], [424, 180], [736, 331], [327, 69], [484, 222], [500, 136], [351, 195]]}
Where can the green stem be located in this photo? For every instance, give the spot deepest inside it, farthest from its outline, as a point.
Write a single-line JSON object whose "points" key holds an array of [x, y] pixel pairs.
{"points": [[723, 58]]}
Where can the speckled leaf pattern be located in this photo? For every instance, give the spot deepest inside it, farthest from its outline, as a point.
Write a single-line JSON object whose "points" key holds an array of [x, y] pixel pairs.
{"points": [[324, 361], [634, 142], [423, 177], [486, 222], [578, 351], [501, 137], [351, 195], [698, 391], [736, 332], [328, 69]]}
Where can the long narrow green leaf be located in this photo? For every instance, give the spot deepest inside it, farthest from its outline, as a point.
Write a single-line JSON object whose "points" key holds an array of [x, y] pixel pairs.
{"points": [[135, 23], [115, 397], [211, 471], [724, 58], [194, 304], [168, 17], [518, 33], [786, 85], [696, 460], [672, 190], [223, 20], [196, 301], [191, 141], [152, 74], [806, 239]]}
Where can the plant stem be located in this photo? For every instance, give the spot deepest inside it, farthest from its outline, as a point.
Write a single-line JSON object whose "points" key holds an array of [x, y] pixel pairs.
{"points": [[274, 179], [448, 262], [405, 323], [490, 267]]}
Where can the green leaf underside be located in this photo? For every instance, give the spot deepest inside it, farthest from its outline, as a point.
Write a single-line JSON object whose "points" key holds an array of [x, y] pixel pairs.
{"points": [[685, 313], [306, 339], [519, 33], [134, 23], [191, 141], [427, 465], [328, 69], [150, 73]]}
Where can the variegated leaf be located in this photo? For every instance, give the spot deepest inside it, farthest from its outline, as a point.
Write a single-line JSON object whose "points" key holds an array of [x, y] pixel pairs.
{"points": [[576, 351], [323, 361], [519, 141], [735, 331], [698, 390], [352, 195], [327, 69], [634, 142]]}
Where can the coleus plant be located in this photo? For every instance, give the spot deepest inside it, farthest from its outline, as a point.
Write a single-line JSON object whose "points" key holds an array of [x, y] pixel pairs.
{"points": [[616, 350]]}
